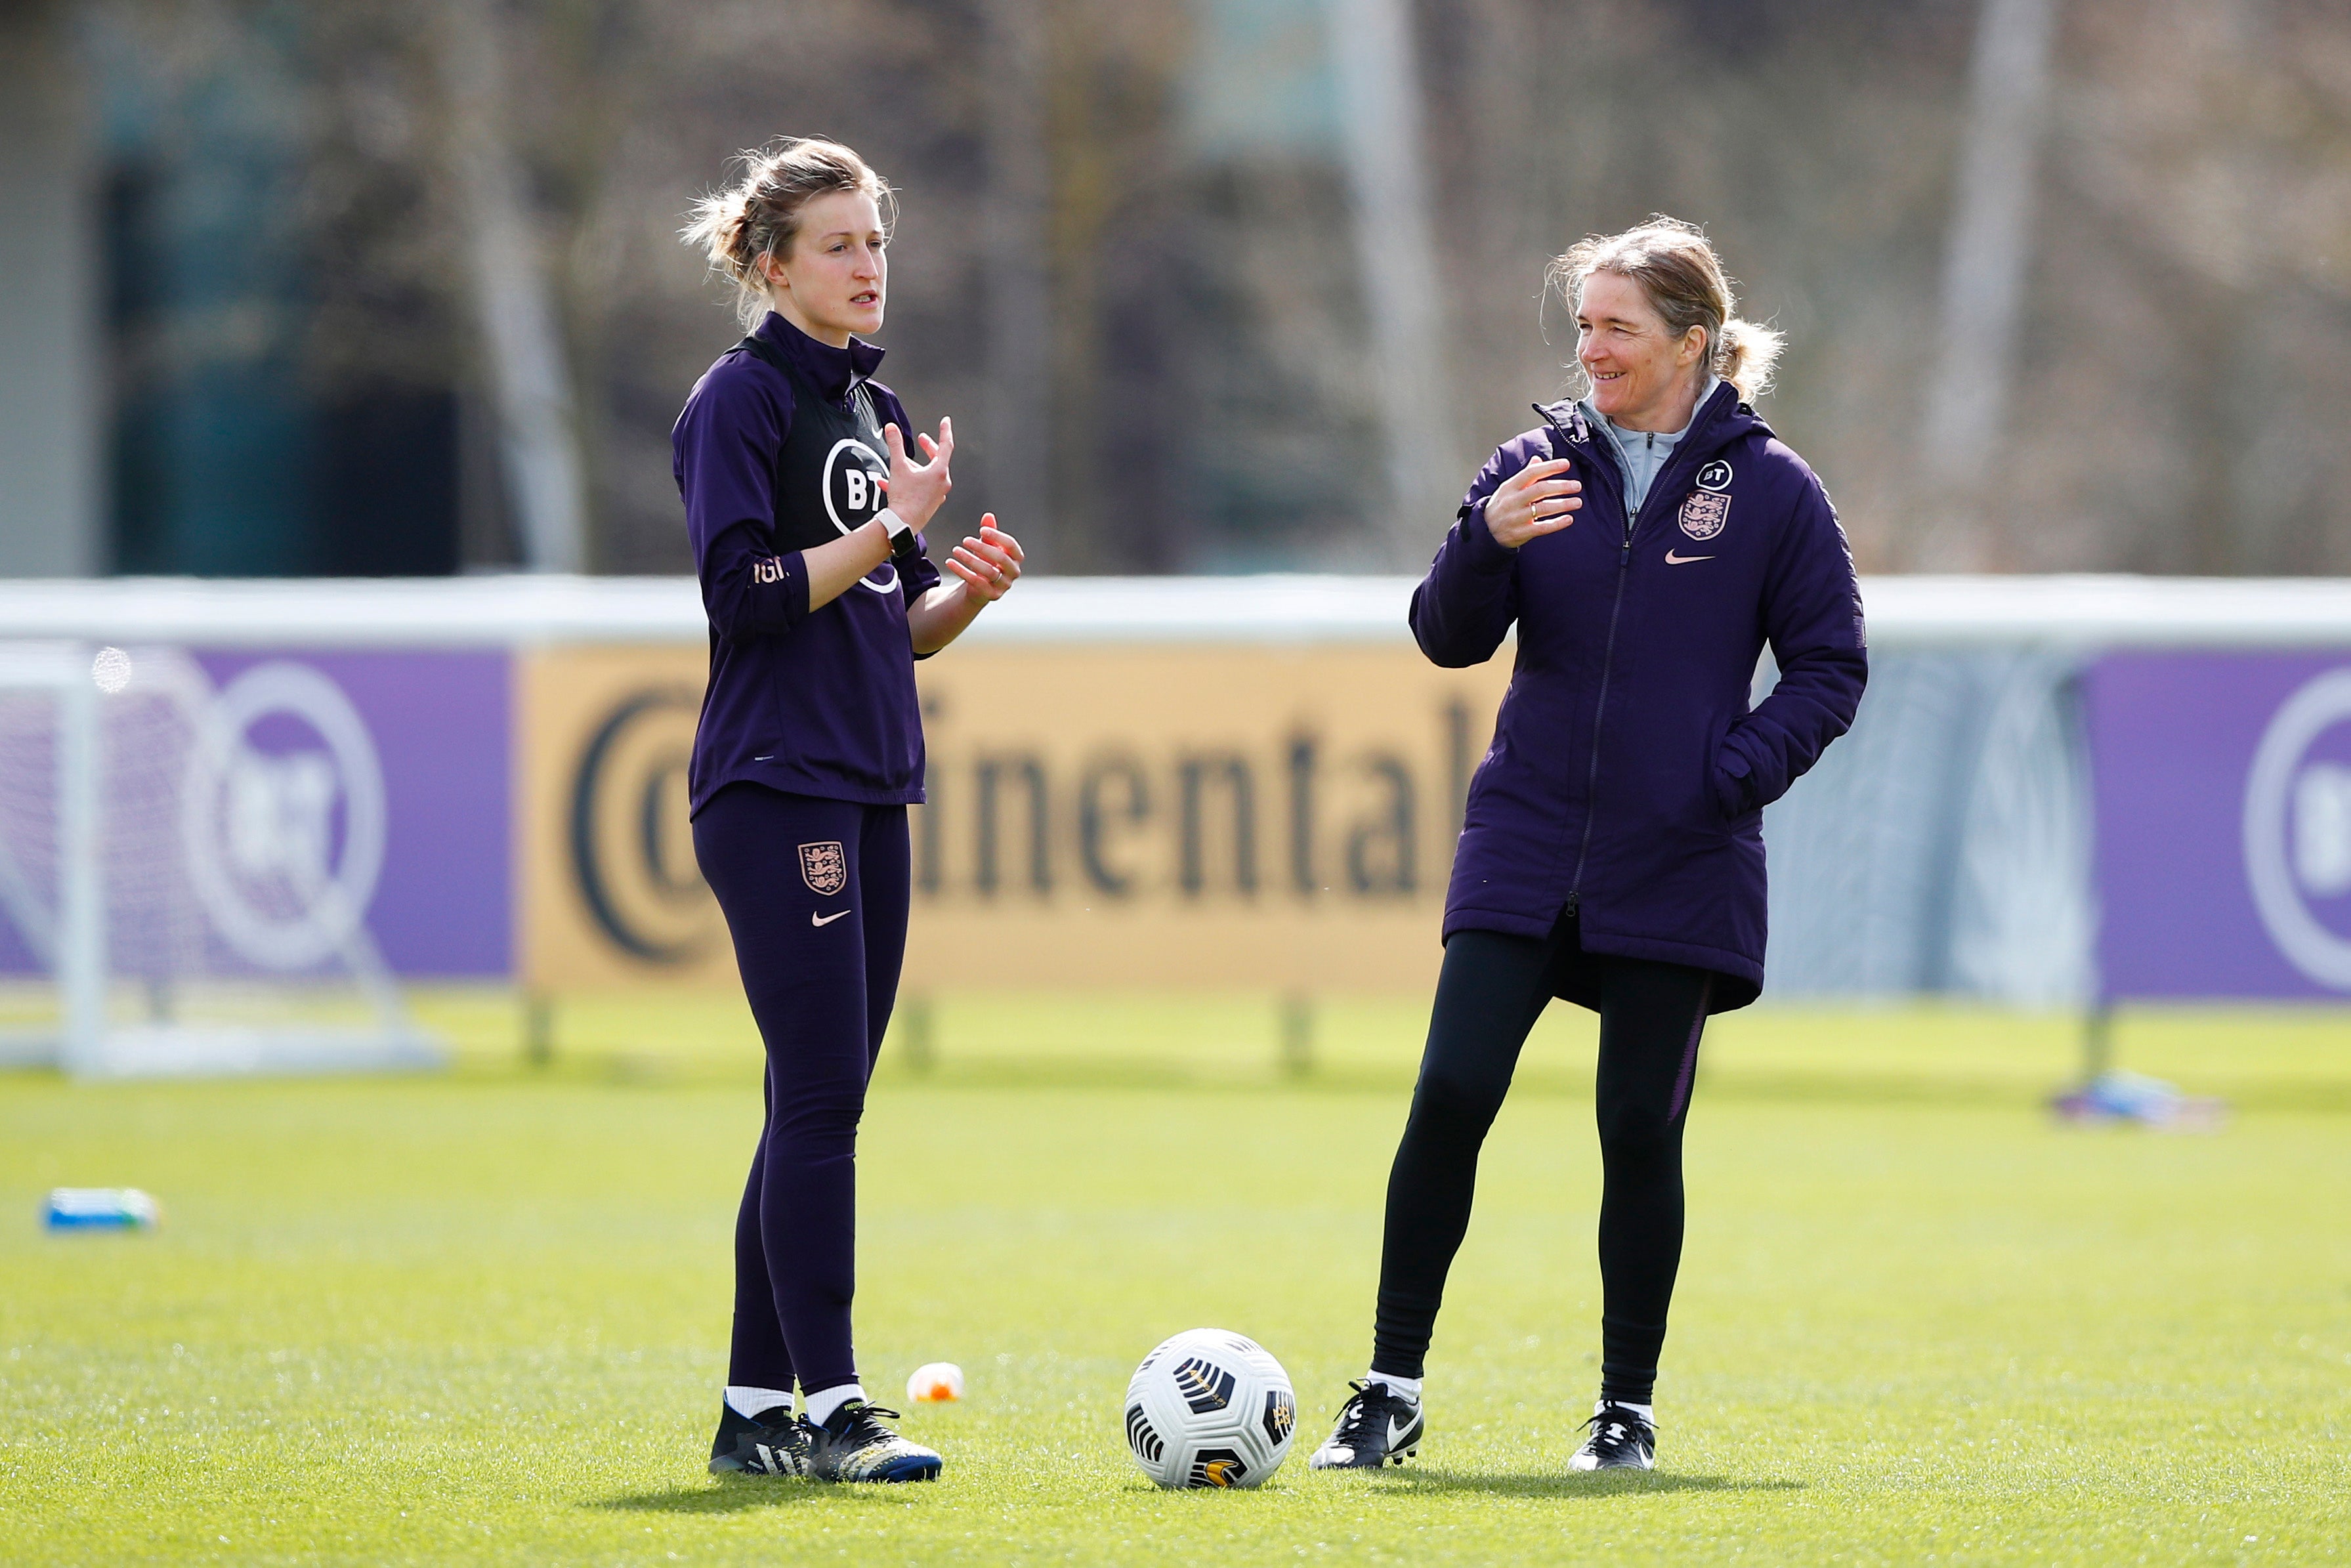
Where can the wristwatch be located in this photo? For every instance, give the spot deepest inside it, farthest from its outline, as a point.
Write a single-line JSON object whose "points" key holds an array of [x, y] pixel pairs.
{"points": [[905, 545]]}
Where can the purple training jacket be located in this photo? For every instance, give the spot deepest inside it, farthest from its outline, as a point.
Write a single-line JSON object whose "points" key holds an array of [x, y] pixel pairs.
{"points": [[1627, 778], [770, 462]]}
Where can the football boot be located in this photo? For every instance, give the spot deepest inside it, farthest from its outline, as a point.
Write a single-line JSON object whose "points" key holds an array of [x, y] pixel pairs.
{"points": [[746, 1446], [1376, 1426], [854, 1446], [1621, 1440]]}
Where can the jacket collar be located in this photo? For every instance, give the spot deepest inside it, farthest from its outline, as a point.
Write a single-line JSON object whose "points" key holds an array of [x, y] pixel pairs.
{"points": [[1721, 419], [1672, 438], [833, 371]]}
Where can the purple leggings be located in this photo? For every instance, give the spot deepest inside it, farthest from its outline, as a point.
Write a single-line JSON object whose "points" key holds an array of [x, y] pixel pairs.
{"points": [[815, 895]]}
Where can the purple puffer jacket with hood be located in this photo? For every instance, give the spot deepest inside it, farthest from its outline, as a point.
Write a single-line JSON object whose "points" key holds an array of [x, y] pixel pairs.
{"points": [[1627, 778]]}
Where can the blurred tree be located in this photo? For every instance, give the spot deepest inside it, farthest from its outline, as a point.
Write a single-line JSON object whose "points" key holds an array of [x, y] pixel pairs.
{"points": [[1127, 259], [282, 355], [2195, 302]]}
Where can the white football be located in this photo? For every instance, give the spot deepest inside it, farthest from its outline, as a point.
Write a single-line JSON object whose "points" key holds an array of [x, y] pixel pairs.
{"points": [[1209, 1408]]}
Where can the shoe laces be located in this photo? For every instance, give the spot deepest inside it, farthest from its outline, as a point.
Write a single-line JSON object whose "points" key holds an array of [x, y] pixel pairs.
{"points": [[863, 1425], [1617, 1431], [1364, 1415], [776, 1418]]}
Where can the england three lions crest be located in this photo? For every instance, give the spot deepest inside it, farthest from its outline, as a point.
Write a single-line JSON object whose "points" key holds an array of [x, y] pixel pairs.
{"points": [[824, 868], [1704, 513]]}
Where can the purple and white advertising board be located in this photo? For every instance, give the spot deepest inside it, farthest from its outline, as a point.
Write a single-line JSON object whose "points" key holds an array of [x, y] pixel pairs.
{"points": [[376, 790], [2224, 819], [260, 813], [415, 748]]}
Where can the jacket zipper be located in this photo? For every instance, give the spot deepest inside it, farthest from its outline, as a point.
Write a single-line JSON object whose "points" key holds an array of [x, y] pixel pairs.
{"points": [[1600, 705], [1607, 657]]}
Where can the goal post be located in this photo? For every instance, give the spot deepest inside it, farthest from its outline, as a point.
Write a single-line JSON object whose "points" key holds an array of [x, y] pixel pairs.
{"points": [[62, 935], [171, 900]]}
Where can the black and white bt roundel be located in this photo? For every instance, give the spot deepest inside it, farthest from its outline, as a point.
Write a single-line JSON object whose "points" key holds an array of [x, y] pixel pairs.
{"points": [[1714, 476], [852, 489]]}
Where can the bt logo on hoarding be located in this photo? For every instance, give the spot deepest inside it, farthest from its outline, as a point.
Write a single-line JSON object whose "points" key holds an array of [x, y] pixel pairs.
{"points": [[283, 819], [2297, 828]]}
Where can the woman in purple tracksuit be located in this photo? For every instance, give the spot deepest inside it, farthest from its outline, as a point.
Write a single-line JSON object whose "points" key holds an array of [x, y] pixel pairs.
{"points": [[1647, 541], [805, 511]]}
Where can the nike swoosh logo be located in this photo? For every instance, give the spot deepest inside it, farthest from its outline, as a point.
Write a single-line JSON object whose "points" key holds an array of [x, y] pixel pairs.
{"points": [[1396, 1431], [1673, 560], [816, 919]]}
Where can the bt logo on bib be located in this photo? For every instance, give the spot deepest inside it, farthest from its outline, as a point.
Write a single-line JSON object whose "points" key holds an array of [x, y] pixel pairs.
{"points": [[854, 472]]}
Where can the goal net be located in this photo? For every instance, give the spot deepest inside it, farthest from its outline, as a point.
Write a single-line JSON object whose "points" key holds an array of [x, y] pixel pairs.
{"points": [[184, 870]]}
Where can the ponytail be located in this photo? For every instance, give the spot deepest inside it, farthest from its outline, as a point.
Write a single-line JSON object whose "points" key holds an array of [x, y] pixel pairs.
{"points": [[1746, 356]]}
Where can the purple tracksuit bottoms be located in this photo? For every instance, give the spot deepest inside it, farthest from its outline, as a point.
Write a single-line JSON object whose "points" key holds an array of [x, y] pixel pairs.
{"points": [[815, 895]]}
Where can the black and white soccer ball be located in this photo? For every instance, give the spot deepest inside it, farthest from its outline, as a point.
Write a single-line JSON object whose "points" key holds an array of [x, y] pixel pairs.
{"points": [[1210, 1408]]}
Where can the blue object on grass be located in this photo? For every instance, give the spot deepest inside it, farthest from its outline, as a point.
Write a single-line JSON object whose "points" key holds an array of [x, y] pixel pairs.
{"points": [[100, 1209], [2117, 1096]]}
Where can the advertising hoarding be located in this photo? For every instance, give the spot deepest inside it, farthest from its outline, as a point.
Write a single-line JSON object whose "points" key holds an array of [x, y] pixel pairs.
{"points": [[2223, 818], [254, 806], [439, 724], [1141, 782], [1099, 816]]}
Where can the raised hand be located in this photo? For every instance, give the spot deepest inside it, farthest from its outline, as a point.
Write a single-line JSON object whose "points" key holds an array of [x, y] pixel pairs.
{"points": [[989, 565], [917, 490], [1536, 500]]}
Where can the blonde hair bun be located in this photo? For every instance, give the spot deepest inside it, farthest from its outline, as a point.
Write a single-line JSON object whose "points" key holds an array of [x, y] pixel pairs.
{"points": [[760, 214]]}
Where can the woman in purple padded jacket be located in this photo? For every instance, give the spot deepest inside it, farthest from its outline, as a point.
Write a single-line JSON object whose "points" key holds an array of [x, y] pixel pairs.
{"points": [[1648, 540], [805, 509]]}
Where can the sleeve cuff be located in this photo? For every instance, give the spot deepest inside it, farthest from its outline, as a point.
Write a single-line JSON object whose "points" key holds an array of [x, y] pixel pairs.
{"points": [[796, 589], [1484, 551], [1734, 781]]}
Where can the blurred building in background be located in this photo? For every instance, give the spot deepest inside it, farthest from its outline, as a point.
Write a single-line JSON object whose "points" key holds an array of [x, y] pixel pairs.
{"points": [[394, 286]]}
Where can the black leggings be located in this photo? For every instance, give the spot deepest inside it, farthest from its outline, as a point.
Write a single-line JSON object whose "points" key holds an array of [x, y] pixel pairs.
{"points": [[1488, 995]]}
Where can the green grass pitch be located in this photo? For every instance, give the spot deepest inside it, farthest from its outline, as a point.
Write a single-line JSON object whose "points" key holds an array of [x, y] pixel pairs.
{"points": [[482, 1317]]}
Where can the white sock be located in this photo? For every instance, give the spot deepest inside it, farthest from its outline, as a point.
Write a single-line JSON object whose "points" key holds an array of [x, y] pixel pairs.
{"points": [[822, 1403], [1406, 1388], [1646, 1412], [746, 1400]]}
